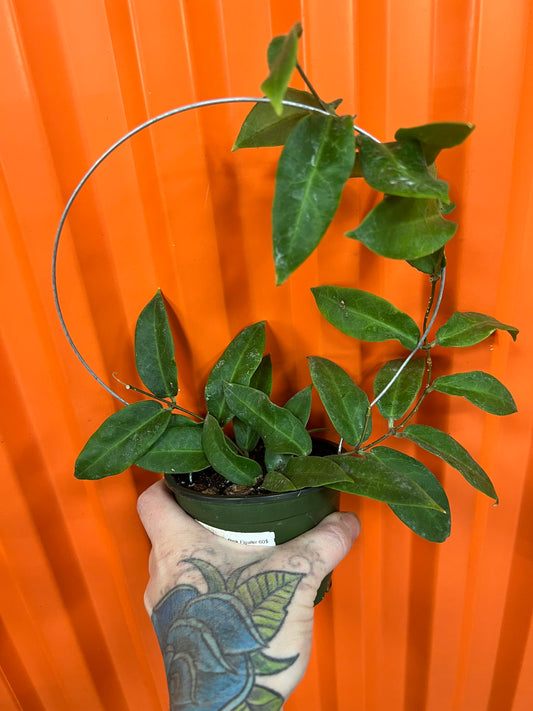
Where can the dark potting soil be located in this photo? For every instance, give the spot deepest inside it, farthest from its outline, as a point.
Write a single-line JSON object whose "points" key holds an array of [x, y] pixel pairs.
{"points": [[210, 483]]}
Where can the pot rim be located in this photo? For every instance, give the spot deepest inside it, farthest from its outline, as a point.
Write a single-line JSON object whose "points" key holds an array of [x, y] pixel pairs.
{"points": [[246, 500]]}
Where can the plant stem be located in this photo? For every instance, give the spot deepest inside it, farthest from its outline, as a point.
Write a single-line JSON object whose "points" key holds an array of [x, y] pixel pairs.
{"points": [[426, 348], [312, 88], [172, 404]]}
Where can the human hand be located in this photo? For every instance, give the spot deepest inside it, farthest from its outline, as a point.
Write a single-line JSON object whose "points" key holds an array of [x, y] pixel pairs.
{"points": [[234, 622]]}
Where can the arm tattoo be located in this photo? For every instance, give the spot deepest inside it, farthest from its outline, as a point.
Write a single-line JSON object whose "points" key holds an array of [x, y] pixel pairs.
{"points": [[213, 643]]}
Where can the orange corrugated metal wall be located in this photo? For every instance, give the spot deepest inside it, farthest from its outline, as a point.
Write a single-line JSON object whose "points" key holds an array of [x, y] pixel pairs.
{"points": [[408, 625]]}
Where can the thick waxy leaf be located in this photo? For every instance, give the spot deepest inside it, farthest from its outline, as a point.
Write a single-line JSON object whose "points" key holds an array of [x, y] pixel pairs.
{"points": [[428, 523], [264, 127], [314, 471], [436, 136], [183, 421], [374, 479], [178, 451], [467, 328], [276, 462], [274, 48], [313, 168], [453, 453], [400, 396], [281, 67], [431, 263], [237, 364], [246, 437], [404, 228], [267, 596], [262, 377], [223, 458], [399, 169], [121, 440], [345, 402], [154, 349], [365, 316], [300, 404], [279, 429], [278, 482], [481, 389]]}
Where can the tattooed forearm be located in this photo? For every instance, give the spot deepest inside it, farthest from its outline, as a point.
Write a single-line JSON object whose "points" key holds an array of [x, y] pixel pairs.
{"points": [[214, 643]]}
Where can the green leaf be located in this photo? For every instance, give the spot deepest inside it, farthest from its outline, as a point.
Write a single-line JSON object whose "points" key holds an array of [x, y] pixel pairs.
{"points": [[277, 482], [399, 169], [481, 389], [468, 328], [435, 136], [283, 58], [121, 440], [365, 316], [274, 48], [404, 228], [312, 170], [246, 437], [374, 479], [267, 596], [427, 523], [262, 377], [215, 581], [402, 393], [265, 665], [454, 454], [345, 402], [177, 420], [224, 459], [178, 451], [300, 404], [312, 471], [431, 263], [237, 364], [280, 430], [154, 349], [264, 127], [263, 699]]}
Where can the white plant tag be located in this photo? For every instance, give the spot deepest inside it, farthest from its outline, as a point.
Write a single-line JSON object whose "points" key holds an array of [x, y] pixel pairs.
{"points": [[261, 538]]}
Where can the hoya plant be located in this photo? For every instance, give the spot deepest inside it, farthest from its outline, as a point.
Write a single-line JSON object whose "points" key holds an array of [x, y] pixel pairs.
{"points": [[257, 446]]}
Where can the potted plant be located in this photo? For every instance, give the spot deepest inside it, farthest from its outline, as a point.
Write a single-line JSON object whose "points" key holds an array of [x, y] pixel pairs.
{"points": [[242, 446]]}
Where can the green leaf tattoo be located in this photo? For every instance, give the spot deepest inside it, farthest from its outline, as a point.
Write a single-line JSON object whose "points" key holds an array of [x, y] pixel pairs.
{"points": [[214, 643]]}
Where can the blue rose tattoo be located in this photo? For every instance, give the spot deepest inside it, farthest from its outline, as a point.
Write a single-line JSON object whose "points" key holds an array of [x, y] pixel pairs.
{"points": [[213, 643]]}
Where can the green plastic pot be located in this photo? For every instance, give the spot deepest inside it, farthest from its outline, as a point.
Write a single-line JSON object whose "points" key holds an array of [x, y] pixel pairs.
{"points": [[274, 518]]}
